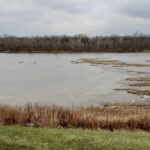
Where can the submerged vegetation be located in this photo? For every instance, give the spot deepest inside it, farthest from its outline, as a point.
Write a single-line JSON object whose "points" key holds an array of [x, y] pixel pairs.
{"points": [[109, 117], [79, 43]]}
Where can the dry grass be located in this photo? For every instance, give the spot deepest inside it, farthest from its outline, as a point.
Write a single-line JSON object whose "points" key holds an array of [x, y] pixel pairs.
{"points": [[139, 92], [138, 72], [139, 79], [135, 91], [115, 63], [139, 84], [132, 117]]}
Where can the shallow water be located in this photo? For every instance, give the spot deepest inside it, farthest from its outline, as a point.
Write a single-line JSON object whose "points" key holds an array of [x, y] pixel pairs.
{"points": [[53, 79]]}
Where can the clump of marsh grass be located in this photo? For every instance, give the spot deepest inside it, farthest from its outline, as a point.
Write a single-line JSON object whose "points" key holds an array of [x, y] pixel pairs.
{"points": [[109, 117]]}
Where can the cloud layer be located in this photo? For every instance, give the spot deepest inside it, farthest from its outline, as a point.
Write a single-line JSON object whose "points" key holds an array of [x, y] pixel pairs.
{"points": [[57, 17]]}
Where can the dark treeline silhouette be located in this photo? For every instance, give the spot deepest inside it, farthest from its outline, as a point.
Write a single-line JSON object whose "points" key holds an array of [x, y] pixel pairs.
{"points": [[79, 43]]}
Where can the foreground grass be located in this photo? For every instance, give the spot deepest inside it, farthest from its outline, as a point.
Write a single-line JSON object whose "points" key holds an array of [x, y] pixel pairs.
{"points": [[24, 138]]}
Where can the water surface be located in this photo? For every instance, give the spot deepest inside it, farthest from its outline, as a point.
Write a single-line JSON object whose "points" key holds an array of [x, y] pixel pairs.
{"points": [[53, 79]]}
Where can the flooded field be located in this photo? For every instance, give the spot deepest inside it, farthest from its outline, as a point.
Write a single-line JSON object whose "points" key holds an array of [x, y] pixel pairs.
{"points": [[75, 79]]}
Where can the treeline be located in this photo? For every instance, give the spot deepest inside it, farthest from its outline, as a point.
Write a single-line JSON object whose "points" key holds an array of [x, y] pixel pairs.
{"points": [[80, 43]]}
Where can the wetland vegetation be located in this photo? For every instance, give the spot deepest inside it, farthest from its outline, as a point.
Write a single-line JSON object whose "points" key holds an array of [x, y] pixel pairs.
{"points": [[40, 73], [108, 117]]}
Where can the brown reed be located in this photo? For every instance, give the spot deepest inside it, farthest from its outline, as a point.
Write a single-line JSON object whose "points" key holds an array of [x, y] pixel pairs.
{"points": [[110, 117]]}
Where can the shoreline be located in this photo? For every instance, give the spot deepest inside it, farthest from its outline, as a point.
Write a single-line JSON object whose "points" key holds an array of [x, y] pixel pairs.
{"points": [[66, 52], [78, 43], [107, 117]]}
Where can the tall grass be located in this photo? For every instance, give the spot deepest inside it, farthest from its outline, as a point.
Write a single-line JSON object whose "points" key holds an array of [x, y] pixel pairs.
{"points": [[132, 117]]}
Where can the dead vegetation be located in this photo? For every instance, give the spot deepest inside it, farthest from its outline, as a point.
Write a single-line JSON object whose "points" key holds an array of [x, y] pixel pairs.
{"points": [[139, 79], [138, 72], [110, 117], [139, 92], [97, 61], [135, 91], [115, 63], [139, 84]]}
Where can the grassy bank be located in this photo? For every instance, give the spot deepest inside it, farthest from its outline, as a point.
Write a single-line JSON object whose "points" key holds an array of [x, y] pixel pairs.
{"points": [[23, 138], [109, 117]]}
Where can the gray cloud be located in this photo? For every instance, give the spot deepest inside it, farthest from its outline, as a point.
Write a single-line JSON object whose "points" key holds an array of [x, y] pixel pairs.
{"points": [[92, 17], [137, 8]]}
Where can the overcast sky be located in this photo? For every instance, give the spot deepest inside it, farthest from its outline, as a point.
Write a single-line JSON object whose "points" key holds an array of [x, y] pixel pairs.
{"points": [[57, 17]]}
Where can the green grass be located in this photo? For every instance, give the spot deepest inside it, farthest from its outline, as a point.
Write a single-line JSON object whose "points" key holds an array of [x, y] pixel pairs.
{"points": [[24, 138]]}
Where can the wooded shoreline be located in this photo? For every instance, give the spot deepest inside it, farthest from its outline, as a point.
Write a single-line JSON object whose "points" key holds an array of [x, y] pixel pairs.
{"points": [[75, 44]]}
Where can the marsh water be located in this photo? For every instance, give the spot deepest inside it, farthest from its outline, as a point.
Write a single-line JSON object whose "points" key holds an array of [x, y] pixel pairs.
{"points": [[54, 79]]}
